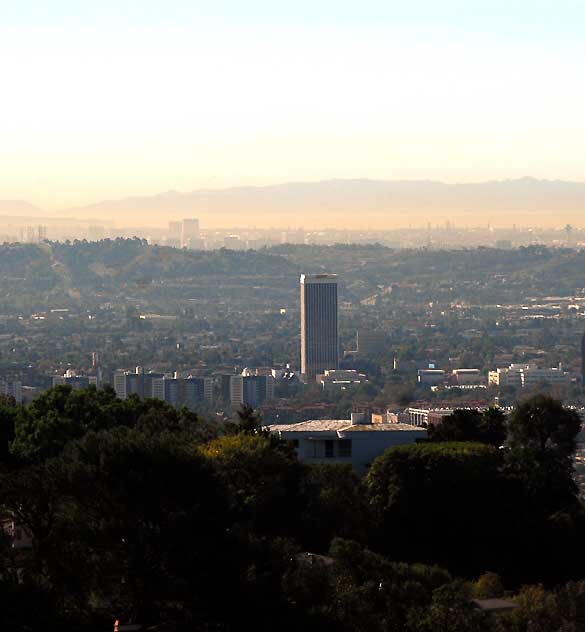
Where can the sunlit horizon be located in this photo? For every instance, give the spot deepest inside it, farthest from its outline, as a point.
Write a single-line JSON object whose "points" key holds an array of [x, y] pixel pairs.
{"points": [[129, 99]]}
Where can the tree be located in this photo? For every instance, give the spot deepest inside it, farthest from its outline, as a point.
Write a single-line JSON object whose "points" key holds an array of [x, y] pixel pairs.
{"points": [[134, 519], [542, 439], [335, 506], [451, 611], [543, 426], [250, 422], [488, 586], [373, 593], [8, 413], [62, 414], [150, 507], [488, 427], [537, 611], [493, 427], [440, 502], [261, 482]]}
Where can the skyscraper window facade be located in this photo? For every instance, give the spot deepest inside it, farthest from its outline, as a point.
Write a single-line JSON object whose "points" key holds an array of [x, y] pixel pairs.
{"points": [[319, 324]]}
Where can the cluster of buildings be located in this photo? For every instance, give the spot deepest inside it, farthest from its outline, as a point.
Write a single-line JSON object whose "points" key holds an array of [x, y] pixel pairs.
{"points": [[457, 377], [359, 440], [176, 391], [187, 234], [528, 375], [250, 388], [341, 379], [71, 378], [184, 234], [310, 429], [25, 234], [516, 375]]}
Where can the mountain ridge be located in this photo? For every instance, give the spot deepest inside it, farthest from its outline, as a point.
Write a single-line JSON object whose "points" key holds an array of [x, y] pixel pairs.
{"points": [[353, 203]]}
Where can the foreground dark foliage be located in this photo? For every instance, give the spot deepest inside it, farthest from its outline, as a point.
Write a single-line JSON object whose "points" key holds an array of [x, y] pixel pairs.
{"points": [[144, 513]]}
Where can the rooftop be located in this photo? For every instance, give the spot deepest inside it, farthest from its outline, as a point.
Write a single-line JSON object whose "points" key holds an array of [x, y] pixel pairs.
{"points": [[341, 425], [322, 425], [494, 605], [383, 428]]}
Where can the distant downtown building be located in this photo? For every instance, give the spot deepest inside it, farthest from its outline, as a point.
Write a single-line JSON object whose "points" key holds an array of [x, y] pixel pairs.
{"points": [[190, 233], [249, 390], [319, 326], [77, 382], [176, 391], [11, 389]]}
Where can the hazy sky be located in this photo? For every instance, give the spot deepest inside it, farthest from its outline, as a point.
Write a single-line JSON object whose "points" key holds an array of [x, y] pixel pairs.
{"points": [[107, 98]]}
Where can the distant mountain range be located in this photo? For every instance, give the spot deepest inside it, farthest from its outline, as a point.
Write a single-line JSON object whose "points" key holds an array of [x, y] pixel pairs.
{"points": [[352, 204]]}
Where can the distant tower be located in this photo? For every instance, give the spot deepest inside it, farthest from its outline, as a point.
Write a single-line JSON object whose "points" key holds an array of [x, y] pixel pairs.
{"points": [[319, 335], [175, 230], [42, 233], [568, 230], [190, 232]]}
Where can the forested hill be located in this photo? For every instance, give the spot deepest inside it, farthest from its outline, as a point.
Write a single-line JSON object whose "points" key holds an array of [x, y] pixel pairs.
{"points": [[71, 271], [109, 263]]}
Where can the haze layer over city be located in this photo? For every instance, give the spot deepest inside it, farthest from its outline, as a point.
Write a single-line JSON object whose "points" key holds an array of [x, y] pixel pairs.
{"points": [[292, 316]]}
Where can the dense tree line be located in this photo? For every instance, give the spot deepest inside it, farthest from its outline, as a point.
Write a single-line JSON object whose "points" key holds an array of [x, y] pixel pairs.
{"points": [[117, 261], [142, 512]]}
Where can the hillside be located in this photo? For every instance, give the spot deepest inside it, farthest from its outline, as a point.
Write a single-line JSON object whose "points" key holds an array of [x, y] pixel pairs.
{"points": [[113, 269]]}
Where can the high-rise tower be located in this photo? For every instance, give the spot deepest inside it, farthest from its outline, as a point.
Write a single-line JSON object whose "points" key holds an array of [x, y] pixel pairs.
{"points": [[319, 336], [190, 232]]}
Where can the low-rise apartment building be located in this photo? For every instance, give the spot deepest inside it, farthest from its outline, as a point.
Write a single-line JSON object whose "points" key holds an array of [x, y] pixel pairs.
{"points": [[527, 375], [356, 441]]}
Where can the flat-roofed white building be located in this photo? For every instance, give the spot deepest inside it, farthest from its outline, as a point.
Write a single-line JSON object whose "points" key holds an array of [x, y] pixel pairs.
{"points": [[425, 416], [527, 375], [76, 381], [352, 441], [341, 379], [465, 377], [432, 377]]}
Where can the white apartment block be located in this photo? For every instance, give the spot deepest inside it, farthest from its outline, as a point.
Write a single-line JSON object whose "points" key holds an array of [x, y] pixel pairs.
{"points": [[355, 441], [527, 375], [11, 389]]}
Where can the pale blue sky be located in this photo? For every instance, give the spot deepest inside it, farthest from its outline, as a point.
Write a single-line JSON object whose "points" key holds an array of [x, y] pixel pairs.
{"points": [[562, 15], [107, 98]]}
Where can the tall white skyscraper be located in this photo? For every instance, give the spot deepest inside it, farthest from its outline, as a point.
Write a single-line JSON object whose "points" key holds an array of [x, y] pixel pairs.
{"points": [[319, 335]]}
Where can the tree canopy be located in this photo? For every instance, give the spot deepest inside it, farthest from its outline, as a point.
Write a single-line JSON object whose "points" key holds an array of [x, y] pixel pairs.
{"points": [[488, 427], [149, 514]]}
